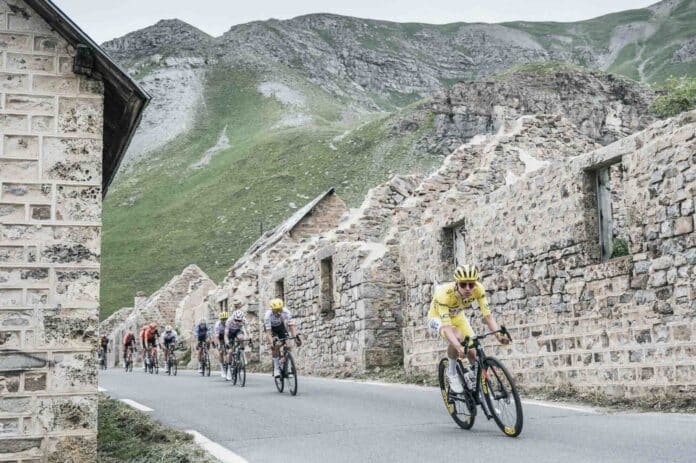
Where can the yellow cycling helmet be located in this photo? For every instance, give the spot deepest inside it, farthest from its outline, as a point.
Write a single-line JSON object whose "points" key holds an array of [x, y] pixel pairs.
{"points": [[466, 273], [224, 315], [277, 305]]}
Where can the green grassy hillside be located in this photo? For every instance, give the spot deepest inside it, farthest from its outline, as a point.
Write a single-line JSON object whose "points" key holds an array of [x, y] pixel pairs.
{"points": [[163, 215]]}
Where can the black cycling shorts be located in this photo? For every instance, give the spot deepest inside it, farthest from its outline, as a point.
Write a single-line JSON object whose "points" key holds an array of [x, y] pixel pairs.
{"points": [[280, 331]]}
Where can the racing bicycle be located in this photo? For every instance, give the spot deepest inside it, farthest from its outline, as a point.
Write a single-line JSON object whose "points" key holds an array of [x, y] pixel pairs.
{"points": [[491, 386]]}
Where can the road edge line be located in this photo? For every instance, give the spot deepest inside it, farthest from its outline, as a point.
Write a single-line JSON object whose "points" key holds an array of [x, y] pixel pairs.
{"points": [[223, 454], [136, 405], [561, 406]]}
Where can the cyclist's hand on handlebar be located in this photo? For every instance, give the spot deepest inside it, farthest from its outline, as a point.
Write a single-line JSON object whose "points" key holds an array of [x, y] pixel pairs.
{"points": [[502, 339], [460, 350]]}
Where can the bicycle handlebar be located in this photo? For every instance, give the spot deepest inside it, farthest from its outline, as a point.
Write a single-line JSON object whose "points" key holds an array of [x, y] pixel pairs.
{"points": [[502, 331], [280, 341]]}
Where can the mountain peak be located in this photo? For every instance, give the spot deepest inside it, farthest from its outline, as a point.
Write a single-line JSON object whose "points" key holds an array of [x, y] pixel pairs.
{"points": [[173, 35]]}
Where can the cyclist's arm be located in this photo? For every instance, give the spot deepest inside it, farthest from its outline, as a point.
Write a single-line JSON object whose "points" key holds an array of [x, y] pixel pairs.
{"points": [[488, 317]]}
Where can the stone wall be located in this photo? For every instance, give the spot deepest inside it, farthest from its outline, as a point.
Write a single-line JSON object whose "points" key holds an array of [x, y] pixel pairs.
{"points": [[178, 303], [50, 223], [325, 215], [622, 327]]}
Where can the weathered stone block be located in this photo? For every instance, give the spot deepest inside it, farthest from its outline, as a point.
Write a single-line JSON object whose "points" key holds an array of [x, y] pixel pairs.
{"points": [[23, 18], [13, 122], [19, 170], [72, 159], [13, 82], [78, 203], [14, 445], [21, 62], [21, 146], [43, 124], [11, 212], [74, 372], [34, 103], [80, 115], [55, 85], [683, 225], [77, 286], [35, 193], [15, 42], [34, 382], [21, 361], [52, 45], [11, 254]]}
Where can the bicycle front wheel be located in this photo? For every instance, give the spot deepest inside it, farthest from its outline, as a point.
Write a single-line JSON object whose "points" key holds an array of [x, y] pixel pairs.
{"points": [[175, 365], [207, 365], [241, 369], [501, 396], [460, 407], [279, 380], [291, 373]]}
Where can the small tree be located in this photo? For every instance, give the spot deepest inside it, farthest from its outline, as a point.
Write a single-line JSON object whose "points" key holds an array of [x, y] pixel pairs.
{"points": [[679, 96]]}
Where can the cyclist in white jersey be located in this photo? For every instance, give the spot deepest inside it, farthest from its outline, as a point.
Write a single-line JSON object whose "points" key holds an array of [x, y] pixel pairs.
{"points": [[277, 321]]}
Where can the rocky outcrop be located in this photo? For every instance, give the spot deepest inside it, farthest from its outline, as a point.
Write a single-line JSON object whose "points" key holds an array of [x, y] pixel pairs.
{"points": [[604, 107]]}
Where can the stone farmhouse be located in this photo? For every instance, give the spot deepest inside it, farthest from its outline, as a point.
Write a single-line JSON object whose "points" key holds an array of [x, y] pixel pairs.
{"points": [[67, 115], [576, 205]]}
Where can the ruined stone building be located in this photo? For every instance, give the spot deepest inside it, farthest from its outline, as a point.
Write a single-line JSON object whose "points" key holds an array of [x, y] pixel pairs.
{"points": [[67, 116], [576, 205]]}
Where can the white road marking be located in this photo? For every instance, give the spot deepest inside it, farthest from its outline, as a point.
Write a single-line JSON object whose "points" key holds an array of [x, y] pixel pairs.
{"points": [[572, 408], [539, 403], [136, 405], [216, 450], [101, 389]]}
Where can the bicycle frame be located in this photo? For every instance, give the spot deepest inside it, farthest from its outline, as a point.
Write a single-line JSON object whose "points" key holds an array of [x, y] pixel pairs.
{"points": [[480, 386]]}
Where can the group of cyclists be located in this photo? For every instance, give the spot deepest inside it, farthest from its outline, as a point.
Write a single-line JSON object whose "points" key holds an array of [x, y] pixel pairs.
{"points": [[446, 318], [228, 330]]}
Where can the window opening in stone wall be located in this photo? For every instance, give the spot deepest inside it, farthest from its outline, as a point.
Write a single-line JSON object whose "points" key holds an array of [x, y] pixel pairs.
{"points": [[280, 289], [223, 305], [327, 287], [612, 211], [454, 245]]}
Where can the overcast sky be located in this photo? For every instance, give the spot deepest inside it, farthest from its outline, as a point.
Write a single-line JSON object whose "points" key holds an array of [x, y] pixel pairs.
{"points": [[106, 19]]}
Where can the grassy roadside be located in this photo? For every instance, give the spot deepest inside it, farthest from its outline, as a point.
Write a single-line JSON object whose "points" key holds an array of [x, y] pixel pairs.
{"points": [[128, 436]]}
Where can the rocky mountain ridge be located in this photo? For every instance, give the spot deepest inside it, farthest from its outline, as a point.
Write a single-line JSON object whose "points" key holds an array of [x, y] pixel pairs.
{"points": [[245, 127]]}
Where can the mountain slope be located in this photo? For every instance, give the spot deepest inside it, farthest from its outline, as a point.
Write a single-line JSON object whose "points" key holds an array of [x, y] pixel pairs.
{"points": [[248, 126]]}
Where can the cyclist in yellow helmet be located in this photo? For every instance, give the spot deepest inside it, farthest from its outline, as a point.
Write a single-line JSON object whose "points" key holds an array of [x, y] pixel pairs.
{"points": [[277, 321], [447, 318], [219, 331]]}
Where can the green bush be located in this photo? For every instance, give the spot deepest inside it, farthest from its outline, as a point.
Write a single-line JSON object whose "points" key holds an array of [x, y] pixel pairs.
{"points": [[679, 95], [620, 248]]}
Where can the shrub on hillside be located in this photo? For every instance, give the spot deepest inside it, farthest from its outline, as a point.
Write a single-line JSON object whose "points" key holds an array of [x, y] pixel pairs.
{"points": [[679, 95]]}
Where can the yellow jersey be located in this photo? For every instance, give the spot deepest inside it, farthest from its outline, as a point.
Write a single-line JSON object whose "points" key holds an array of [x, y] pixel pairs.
{"points": [[447, 302]]}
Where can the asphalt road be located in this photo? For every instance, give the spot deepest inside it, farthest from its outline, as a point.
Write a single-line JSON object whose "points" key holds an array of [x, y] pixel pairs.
{"points": [[343, 421]]}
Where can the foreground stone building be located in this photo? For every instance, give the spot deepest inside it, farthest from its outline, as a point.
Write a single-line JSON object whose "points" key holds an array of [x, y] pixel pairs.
{"points": [[67, 116]]}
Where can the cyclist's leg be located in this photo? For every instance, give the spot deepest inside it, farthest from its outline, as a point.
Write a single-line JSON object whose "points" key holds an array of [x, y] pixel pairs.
{"points": [[461, 322]]}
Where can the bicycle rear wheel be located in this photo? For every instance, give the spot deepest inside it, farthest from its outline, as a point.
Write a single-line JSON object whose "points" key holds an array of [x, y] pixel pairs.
{"points": [[501, 396], [291, 373], [461, 407]]}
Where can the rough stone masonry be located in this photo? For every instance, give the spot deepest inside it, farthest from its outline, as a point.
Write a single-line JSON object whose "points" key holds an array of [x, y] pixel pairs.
{"points": [[52, 174], [50, 211]]}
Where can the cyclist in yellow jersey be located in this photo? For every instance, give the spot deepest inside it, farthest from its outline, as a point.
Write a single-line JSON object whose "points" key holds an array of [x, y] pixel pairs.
{"points": [[447, 318]]}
